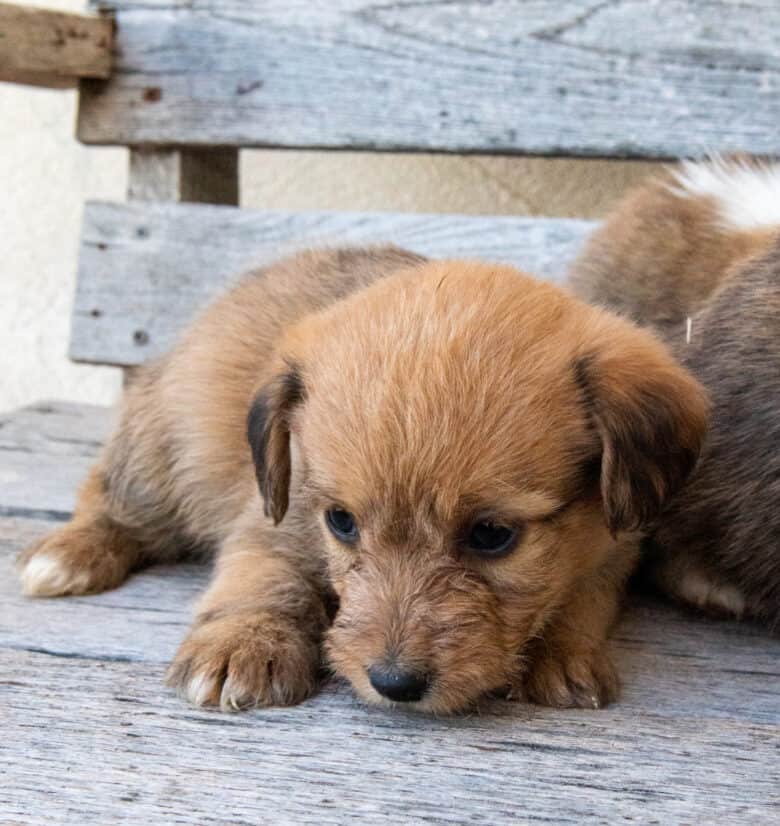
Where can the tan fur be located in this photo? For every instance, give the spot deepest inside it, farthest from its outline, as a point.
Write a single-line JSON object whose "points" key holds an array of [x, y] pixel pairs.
{"points": [[421, 397]]}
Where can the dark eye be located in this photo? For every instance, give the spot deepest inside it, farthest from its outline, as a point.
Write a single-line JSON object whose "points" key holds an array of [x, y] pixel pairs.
{"points": [[342, 525], [491, 539]]}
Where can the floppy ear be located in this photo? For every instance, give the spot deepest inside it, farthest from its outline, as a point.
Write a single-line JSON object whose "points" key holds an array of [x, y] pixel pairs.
{"points": [[650, 415], [268, 431]]}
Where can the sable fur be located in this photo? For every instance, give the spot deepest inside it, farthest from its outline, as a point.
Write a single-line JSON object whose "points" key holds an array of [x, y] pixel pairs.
{"points": [[420, 396], [680, 255]]}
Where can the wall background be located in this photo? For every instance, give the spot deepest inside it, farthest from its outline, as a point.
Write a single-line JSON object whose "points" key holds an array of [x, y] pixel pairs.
{"points": [[45, 176]]}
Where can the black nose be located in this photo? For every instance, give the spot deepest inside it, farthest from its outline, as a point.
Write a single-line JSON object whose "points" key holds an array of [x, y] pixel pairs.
{"points": [[396, 684]]}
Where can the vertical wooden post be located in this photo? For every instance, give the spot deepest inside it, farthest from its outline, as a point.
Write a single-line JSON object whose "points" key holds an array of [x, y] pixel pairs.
{"points": [[207, 176]]}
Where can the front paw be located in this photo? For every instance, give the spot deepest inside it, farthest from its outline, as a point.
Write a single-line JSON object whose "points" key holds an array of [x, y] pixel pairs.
{"points": [[571, 679], [245, 660], [74, 560]]}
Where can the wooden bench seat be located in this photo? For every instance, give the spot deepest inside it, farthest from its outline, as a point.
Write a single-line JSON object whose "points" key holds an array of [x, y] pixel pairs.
{"points": [[91, 735], [88, 732]]}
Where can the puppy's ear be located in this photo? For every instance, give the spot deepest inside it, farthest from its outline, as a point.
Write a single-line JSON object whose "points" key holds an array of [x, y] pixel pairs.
{"points": [[268, 431], [650, 415]]}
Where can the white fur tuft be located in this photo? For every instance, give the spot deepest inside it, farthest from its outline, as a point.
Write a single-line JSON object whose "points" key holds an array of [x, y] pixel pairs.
{"points": [[199, 688], [698, 589], [45, 576], [747, 193]]}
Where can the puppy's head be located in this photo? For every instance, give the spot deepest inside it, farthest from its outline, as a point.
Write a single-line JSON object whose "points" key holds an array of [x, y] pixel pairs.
{"points": [[471, 441]]}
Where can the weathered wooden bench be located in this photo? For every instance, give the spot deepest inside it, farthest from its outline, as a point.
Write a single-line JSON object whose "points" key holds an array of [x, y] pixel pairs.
{"points": [[88, 732]]}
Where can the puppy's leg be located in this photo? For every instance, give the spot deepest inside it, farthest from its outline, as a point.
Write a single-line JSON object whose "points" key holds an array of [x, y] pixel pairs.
{"points": [[258, 629], [90, 553], [126, 509], [570, 667]]}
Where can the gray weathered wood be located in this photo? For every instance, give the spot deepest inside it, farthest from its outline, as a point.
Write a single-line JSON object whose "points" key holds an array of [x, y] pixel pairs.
{"points": [[196, 175], [208, 175], [622, 77], [91, 734], [145, 269], [49, 48], [45, 452]]}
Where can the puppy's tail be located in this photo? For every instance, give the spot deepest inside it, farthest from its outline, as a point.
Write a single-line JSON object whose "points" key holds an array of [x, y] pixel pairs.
{"points": [[675, 240]]}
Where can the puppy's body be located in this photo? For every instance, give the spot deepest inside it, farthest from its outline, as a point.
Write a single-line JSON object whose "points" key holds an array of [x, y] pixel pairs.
{"points": [[696, 255], [453, 458], [177, 474]]}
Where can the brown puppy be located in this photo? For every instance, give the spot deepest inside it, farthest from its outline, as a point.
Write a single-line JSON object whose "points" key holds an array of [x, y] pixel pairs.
{"points": [[696, 254], [452, 463]]}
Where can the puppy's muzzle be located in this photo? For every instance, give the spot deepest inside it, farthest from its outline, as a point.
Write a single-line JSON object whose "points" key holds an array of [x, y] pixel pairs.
{"points": [[397, 684]]}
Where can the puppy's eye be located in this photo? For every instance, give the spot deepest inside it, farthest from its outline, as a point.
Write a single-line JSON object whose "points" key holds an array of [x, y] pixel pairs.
{"points": [[491, 539], [342, 525]]}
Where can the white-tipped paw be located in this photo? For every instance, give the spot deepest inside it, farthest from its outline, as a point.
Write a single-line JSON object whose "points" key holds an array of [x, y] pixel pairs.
{"points": [[46, 576], [76, 559]]}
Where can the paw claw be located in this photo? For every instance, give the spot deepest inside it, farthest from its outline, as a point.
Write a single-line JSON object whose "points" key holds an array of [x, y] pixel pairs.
{"points": [[573, 680], [226, 663]]}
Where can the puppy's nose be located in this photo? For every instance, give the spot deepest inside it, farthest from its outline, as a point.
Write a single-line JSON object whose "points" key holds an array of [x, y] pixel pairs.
{"points": [[397, 684]]}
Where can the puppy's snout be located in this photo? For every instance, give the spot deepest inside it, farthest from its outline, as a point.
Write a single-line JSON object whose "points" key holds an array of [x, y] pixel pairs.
{"points": [[398, 684]]}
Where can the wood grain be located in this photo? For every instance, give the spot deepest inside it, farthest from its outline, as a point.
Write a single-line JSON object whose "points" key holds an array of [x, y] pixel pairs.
{"points": [[45, 451], [577, 77], [48, 48], [146, 269], [90, 734]]}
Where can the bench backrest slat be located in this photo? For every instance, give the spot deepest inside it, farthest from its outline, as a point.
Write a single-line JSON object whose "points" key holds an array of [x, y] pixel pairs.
{"points": [[575, 77], [145, 269]]}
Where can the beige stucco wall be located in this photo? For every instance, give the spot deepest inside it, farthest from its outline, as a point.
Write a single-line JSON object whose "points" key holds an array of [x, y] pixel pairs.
{"points": [[45, 176], [473, 184]]}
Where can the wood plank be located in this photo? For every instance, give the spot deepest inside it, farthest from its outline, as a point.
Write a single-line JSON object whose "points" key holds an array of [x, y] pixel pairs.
{"points": [[55, 428], [207, 176], [146, 269], [155, 604], [91, 733], [48, 48], [578, 77], [98, 742], [45, 452]]}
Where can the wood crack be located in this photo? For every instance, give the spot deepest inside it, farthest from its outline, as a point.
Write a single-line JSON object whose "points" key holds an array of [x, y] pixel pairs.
{"points": [[35, 513], [72, 655]]}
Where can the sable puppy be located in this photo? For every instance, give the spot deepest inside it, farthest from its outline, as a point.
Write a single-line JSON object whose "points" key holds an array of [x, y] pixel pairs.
{"points": [[696, 254], [452, 462]]}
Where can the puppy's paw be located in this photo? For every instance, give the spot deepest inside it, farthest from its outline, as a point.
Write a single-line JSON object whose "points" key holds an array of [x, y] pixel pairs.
{"points": [[572, 679], [245, 660], [70, 561], [702, 591]]}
